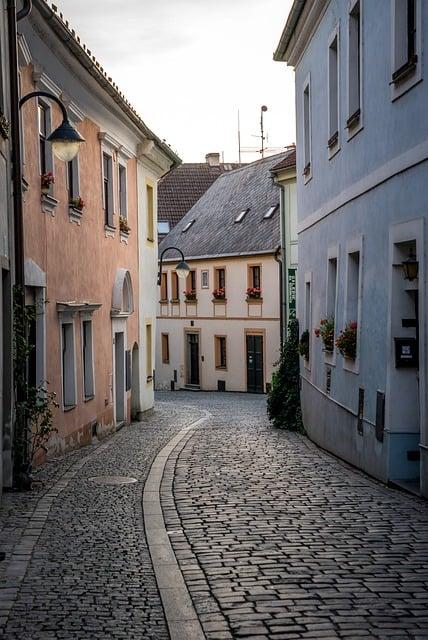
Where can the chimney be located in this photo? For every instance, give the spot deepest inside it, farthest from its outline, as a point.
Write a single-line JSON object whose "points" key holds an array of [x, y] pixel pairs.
{"points": [[213, 159]]}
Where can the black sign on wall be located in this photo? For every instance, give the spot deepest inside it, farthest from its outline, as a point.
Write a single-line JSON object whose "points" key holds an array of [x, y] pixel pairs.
{"points": [[406, 353]]}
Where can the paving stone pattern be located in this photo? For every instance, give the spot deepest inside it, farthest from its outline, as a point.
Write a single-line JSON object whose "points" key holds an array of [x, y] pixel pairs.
{"points": [[89, 573], [279, 540]]}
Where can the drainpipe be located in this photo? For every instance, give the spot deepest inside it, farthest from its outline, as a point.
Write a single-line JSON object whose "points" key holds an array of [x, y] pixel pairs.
{"points": [[281, 295], [18, 217]]}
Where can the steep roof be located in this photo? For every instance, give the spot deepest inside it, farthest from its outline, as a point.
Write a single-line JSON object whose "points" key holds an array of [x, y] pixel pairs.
{"points": [[215, 231], [182, 187], [287, 163]]}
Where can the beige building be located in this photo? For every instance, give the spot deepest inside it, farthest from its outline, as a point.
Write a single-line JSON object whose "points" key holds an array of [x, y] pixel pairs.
{"points": [[220, 329]]}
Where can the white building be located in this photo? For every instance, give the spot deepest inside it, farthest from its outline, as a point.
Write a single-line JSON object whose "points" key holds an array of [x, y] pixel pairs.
{"points": [[362, 151], [220, 330]]}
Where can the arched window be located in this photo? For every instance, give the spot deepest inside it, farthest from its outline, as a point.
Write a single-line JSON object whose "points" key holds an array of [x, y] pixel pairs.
{"points": [[123, 299]]}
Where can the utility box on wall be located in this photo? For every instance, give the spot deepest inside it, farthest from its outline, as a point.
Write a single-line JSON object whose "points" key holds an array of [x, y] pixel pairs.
{"points": [[406, 353]]}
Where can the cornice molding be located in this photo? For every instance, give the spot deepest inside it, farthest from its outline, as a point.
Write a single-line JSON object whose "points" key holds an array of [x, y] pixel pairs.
{"points": [[305, 28]]}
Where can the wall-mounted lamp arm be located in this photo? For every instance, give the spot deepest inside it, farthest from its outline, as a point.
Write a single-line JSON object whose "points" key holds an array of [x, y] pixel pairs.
{"points": [[161, 260]]}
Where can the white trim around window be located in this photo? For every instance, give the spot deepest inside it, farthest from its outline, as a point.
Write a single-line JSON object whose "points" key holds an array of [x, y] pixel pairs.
{"points": [[307, 129], [355, 67], [333, 68], [406, 69], [353, 296], [332, 296]]}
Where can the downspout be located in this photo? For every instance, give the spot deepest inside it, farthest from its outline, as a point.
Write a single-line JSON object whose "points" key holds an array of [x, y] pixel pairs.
{"points": [[281, 295]]}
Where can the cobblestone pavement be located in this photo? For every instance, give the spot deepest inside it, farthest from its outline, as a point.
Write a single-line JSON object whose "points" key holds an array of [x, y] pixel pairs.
{"points": [[279, 540], [89, 575]]}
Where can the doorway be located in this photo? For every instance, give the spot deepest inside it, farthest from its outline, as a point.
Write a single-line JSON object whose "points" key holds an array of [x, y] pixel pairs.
{"points": [[255, 381], [119, 371], [192, 341]]}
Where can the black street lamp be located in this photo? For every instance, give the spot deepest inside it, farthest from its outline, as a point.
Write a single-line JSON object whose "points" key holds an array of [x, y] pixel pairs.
{"points": [[182, 269], [65, 140]]}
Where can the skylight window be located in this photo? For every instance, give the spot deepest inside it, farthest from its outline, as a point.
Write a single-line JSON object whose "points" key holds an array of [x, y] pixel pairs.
{"points": [[241, 216], [270, 212], [188, 225], [163, 227]]}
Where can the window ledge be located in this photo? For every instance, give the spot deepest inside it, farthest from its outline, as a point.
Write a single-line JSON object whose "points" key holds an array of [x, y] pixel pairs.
{"points": [[89, 398], [124, 236], [353, 119], [74, 214], [69, 407], [109, 231], [255, 300], [405, 70], [175, 301], [219, 300], [49, 203], [220, 368], [191, 301], [351, 365], [163, 301], [333, 140]]}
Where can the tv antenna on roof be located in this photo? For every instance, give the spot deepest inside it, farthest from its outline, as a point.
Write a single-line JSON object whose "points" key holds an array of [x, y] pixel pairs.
{"points": [[263, 110]]}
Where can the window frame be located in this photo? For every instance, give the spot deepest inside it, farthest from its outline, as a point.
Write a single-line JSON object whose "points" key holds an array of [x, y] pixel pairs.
{"points": [[108, 191], [220, 340], [122, 181], [46, 164], [149, 352], [332, 297], [91, 378], [333, 142], [250, 280], [307, 129], [307, 316], [165, 348], [217, 279], [353, 246], [354, 118], [164, 287], [205, 272], [68, 370], [405, 75], [175, 286], [150, 207], [73, 179]]}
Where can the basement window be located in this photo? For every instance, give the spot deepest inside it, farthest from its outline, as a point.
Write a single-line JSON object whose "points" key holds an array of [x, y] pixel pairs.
{"points": [[270, 212], [241, 216], [188, 225]]}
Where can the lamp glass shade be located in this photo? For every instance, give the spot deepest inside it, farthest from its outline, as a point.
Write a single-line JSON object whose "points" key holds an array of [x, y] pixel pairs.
{"points": [[66, 141], [410, 268], [182, 269]]}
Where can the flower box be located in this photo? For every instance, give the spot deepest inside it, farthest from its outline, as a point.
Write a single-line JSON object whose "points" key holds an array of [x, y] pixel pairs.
{"points": [[346, 341], [77, 203], [254, 293], [326, 332], [46, 180], [123, 225], [190, 296], [219, 294]]}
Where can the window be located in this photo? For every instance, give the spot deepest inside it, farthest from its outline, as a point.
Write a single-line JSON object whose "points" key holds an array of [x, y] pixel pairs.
{"points": [[150, 213], [108, 189], [205, 279], [43, 133], [331, 287], [174, 286], [164, 287], [220, 278], [307, 130], [163, 227], [353, 286], [241, 216], [307, 319], [88, 361], [149, 365], [333, 91], [406, 43], [73, 179], [354, 66], [255, 277], [165, 348], [68, 366], [123, 208], [220, 352], [191, 281], [187, 226], [269, 213]]}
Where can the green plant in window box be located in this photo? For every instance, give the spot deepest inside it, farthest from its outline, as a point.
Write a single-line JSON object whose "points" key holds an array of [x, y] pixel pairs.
{"points": [[304, 345], [326, 332], [77, 203], [123, 225], [346, 341]]}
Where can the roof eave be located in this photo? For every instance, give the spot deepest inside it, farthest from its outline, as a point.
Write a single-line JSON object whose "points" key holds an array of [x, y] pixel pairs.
{"points": [[280, 54]]}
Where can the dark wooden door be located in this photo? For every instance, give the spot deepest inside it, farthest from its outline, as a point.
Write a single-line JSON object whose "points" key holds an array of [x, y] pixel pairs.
{"points": [[193, 359], [255, 364]]}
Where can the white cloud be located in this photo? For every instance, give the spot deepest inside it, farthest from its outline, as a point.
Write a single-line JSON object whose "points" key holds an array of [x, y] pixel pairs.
{"points": [[188, 65]]}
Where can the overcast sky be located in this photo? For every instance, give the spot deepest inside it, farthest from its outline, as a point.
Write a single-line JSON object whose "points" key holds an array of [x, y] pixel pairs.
{"points": [[188, 66]]}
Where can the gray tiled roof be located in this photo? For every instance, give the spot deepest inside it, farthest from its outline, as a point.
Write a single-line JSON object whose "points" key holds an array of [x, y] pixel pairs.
{"points": [[215, 231]]}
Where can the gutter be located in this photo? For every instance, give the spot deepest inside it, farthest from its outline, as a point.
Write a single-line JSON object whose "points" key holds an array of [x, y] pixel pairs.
{"points": [[290, 26], [68, 36], [216, 256]]}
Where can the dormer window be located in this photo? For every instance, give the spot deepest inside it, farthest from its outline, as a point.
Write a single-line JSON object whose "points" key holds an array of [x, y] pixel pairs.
{"points": [[269, 213], [241, 216], [188, 225]]}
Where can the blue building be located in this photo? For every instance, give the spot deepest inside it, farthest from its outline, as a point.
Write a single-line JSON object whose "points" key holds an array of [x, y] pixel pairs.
{"points": [[362, 173]]}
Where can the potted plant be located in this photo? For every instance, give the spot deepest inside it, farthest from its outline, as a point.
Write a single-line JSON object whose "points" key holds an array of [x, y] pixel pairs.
{"points": [[254, 293], [77, 203], [304, 345], [326, 332], [346, 341], [190, 294], [4, 126], [219, 294], [123, 225], [46, 180]]}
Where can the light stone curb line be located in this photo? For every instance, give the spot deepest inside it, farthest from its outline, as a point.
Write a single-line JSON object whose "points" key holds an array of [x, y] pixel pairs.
{"points": [[17, 567], [182, 619]]}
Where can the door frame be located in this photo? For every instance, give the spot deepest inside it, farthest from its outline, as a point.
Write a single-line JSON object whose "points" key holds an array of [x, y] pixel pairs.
{"points": [[198, 332], [255, 332], [119, 325]]}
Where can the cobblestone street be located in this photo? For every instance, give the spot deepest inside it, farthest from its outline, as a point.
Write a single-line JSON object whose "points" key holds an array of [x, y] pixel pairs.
{"points": [[275, 538]]}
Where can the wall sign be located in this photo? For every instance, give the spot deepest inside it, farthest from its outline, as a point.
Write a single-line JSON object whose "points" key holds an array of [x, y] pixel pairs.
{"points": [[406, 352], [291, 294]]}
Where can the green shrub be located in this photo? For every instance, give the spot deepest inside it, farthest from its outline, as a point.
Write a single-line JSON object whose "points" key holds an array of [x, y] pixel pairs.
{"points": [[283, 404]]}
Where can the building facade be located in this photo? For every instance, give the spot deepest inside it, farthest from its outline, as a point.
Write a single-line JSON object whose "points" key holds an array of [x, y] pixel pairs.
{"points": [[6, 259], [284, 175], [220, 329], [362, 160], [90, 237]]}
